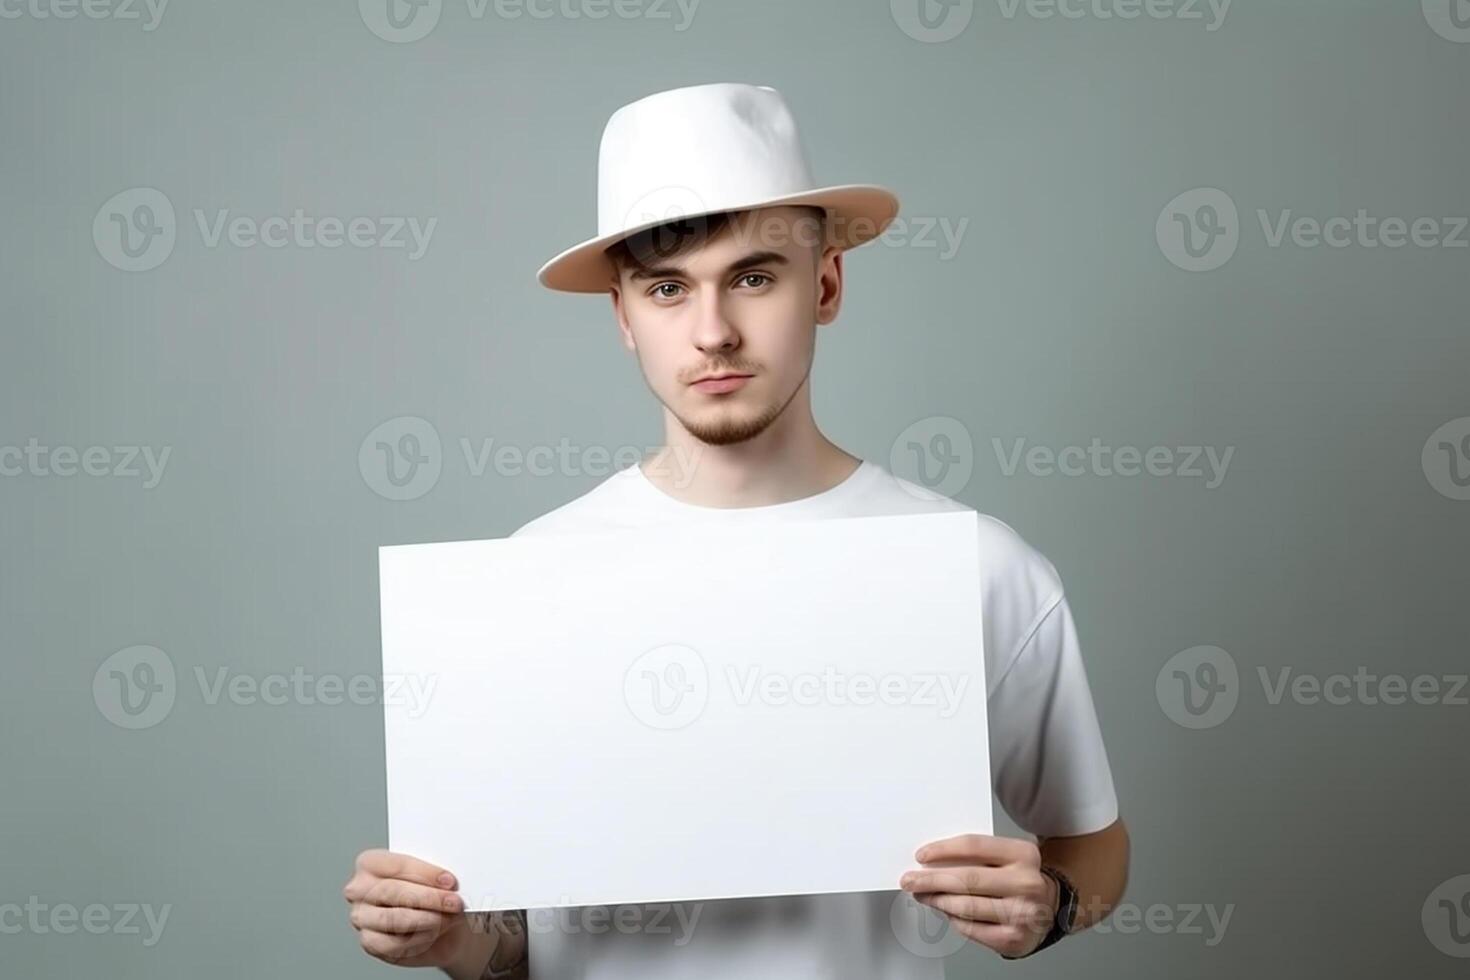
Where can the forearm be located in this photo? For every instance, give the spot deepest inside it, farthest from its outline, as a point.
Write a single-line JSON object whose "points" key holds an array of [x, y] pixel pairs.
{"points": [[1097, 866], [496, 948]]}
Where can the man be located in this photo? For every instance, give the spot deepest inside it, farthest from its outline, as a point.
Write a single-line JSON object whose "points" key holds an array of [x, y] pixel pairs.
{"points": [[721, 307]]}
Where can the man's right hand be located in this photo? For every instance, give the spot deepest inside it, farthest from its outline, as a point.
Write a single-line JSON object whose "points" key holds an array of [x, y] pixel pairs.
{"points": [[407, 912]]}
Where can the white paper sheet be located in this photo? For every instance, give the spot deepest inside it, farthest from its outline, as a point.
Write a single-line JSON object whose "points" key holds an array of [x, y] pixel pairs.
{"points": [[685, 712]]}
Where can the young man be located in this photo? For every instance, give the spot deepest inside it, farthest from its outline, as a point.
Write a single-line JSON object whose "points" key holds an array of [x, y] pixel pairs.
{"points": [[721, 307]]}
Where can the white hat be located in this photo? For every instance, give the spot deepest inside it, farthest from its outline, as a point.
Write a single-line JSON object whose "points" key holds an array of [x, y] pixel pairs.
{"points": [[702, 150]]}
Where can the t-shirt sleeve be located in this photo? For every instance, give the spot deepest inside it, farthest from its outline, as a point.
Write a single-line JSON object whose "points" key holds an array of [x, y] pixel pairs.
{"points": [[1049, 766]]}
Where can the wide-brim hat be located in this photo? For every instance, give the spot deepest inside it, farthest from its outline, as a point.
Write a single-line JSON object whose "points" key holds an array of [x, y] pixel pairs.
{"points": [[702, 150]]}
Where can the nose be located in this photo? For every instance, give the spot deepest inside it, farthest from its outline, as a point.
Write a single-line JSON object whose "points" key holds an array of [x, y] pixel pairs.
{"points": [[713, 330]]}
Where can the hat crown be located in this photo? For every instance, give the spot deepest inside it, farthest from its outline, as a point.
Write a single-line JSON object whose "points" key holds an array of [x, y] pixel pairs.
{"points": [[695, 150]]}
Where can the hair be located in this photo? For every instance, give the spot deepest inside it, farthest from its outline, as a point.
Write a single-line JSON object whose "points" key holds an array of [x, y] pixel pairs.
{"points": [[672, 239]]}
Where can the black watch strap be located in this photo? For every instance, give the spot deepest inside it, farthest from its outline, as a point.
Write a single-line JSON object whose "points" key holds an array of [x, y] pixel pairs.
{"points": [[1066, 916]]}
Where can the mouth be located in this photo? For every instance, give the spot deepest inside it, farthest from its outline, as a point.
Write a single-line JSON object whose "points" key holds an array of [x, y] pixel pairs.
{"points": [[717, 383]]}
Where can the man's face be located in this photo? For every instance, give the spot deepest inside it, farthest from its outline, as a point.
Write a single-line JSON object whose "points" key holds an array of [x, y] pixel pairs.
{"points": [[745, 303]]}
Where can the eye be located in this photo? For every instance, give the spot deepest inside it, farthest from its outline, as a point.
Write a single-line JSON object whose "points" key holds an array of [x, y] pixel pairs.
{"points": [[761, 278], [659, 290]]}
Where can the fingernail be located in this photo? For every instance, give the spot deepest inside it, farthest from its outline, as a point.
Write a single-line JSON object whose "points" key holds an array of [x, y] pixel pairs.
{"points": [[447, 880], [921, 853], [452, 903]]}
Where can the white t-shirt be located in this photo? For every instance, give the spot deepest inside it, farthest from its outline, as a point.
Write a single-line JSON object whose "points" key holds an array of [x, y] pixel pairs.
{"points": [[1048, 766]]}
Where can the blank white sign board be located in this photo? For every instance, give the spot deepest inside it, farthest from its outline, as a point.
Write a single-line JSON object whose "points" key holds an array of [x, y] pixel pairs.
{"points": [[686, 712]]}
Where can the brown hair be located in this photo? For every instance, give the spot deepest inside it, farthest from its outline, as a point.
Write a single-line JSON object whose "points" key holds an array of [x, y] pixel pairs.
{"points": [[640, 251]]}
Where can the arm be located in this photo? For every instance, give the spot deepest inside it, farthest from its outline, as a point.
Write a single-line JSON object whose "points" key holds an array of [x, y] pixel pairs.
{"points": [[1096, 865], [495, 950]]}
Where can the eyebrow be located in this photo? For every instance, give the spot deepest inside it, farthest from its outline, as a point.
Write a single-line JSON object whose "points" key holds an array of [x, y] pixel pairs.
{"points": [[747, 262]]}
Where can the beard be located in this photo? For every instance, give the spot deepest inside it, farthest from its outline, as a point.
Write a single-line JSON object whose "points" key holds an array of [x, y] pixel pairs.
{"points": [[729, 425]]}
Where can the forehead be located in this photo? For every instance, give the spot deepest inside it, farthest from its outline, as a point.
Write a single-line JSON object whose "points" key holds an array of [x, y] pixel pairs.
{"points": [[747, 238]]}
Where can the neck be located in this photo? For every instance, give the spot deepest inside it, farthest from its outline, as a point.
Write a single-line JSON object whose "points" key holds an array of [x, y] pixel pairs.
{"points": [[788, 460]]}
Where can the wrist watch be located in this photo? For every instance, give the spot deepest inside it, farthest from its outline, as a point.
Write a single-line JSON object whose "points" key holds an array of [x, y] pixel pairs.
{"points": [[1066, 916]]}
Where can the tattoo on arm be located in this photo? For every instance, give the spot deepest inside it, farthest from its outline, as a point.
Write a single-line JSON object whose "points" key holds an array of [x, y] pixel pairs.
{"points": [[510, 926]]}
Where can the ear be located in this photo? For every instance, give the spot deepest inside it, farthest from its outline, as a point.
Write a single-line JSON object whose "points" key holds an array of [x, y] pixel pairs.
{"points": [[829, 284], [621, 316]]}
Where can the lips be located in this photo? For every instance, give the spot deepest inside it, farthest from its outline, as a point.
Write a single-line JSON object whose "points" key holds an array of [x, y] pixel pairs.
{"points": [[717, 383]]}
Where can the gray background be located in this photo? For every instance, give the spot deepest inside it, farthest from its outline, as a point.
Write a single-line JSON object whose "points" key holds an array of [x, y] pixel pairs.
{"points": [[1326, 549]]}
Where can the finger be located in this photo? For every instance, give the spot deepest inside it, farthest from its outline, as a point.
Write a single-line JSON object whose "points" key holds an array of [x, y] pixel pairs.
{"points": [[976, 908], [391, 893], [390, 864], [397, 921], [1008, 940], [392, 949], [971, 880], [977, 849]]}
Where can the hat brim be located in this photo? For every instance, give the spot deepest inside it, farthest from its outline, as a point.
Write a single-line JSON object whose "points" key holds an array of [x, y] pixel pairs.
{"points": [[862, 211]]}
